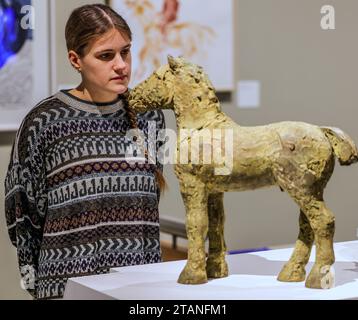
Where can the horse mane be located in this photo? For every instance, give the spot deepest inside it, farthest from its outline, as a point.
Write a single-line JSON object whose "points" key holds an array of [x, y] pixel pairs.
{"points": [[201, 79]]}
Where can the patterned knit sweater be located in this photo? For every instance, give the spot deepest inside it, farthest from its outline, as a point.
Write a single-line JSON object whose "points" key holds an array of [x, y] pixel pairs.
{"points": [[74, 204]]}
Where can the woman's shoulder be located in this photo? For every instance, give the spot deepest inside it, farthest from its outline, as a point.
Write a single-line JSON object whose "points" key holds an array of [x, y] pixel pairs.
{"points": [[44, 112], [44, 107]]}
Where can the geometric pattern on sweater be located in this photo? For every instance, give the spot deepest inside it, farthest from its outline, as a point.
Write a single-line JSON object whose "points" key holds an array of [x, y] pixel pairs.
{"points": [[102, 217], [51, 256], [87, 263], [97, 167], [86, 147], [86, 236], [104, 204], [52, 287], [93, 187], [69, 190]]}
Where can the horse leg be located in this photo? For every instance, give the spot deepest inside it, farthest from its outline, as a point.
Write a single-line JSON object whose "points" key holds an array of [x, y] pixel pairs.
{"points": [[323, 224], [294, 269], [216, 266], [195, 199], [304, 189]]}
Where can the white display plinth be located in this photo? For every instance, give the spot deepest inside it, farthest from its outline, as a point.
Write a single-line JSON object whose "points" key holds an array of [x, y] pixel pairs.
{"points": [[251, 276]]}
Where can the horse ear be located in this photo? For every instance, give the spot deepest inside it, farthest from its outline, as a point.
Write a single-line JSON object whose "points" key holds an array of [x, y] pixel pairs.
{"points": [[173, 64]]}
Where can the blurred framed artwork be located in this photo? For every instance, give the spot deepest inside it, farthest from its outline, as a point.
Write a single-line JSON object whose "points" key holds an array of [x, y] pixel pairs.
{"points": [[24, 59], [201, 31]]}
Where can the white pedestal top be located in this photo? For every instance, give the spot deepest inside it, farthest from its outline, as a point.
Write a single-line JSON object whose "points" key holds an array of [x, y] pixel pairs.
{"points": [[251, 276]]}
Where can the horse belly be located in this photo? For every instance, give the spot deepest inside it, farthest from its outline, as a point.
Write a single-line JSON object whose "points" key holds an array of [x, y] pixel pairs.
{"points": [[242, 179]]}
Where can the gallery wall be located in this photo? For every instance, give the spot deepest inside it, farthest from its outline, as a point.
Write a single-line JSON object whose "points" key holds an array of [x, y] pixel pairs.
{"points": [[306, 74]]}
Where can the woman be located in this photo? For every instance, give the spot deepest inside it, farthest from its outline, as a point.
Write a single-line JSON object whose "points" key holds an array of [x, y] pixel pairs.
{"points": [[75, 205]]}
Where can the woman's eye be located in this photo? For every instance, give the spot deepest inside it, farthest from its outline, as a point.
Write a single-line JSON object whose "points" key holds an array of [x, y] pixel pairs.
{"points": [[106, 56], [125, 52]]}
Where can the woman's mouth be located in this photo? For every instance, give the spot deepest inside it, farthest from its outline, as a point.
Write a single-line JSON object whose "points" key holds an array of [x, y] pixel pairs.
{"points": [[119, 78]]}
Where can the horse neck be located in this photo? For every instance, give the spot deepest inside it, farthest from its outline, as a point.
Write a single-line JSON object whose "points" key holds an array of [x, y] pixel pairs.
{"points": [[195, 114]]}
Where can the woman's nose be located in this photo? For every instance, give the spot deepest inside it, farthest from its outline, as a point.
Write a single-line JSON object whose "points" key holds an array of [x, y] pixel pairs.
{"points": [[119, 63]]}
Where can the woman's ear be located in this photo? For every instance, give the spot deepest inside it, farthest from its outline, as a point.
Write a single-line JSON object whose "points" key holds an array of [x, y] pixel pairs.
{"points": [[74, 60]]}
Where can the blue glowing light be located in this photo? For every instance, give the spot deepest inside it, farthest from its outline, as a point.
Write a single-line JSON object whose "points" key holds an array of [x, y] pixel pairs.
{"points": [[7, 34]]}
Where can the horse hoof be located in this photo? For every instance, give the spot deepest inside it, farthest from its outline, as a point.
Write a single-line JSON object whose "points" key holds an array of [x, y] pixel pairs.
{"points": [[216, 269], [292, 273], [188, 276], [320, 277]]}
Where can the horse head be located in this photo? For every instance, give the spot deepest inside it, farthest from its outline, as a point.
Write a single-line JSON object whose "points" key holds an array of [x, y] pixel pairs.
{"points": [[190, 82], [177, 83], [156, 92]]}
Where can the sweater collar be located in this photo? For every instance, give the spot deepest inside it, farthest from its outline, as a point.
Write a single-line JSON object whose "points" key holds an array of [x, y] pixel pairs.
{"points": [[88, 106]]}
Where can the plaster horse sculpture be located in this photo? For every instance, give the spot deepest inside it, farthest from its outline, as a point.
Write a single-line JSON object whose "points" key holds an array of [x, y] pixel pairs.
{"points": [[297, 157]]}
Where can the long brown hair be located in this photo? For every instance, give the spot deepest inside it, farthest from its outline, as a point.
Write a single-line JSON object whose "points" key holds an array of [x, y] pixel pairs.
{"points": [[89, 22], [162, 185]]}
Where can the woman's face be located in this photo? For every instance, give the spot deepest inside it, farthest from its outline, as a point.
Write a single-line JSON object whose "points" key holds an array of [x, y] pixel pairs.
{"points": [[107, 64]]}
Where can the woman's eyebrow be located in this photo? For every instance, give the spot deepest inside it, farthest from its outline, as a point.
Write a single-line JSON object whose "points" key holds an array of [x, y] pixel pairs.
{"points": [[127, 47]]}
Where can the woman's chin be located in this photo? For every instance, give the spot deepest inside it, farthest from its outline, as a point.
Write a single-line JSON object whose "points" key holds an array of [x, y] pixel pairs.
{"points": [[118, 89], [121, 89]]}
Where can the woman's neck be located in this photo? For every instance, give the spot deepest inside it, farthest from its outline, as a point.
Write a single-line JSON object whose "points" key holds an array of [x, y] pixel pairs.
{"points": [[83, 93]]}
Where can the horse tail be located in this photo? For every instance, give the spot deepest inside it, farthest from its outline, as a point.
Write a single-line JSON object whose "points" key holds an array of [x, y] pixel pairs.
{"points": [[343, 146]]}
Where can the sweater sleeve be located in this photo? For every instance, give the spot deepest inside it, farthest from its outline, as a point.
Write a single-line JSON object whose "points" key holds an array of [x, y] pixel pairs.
{"points": [[25, 207]]}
